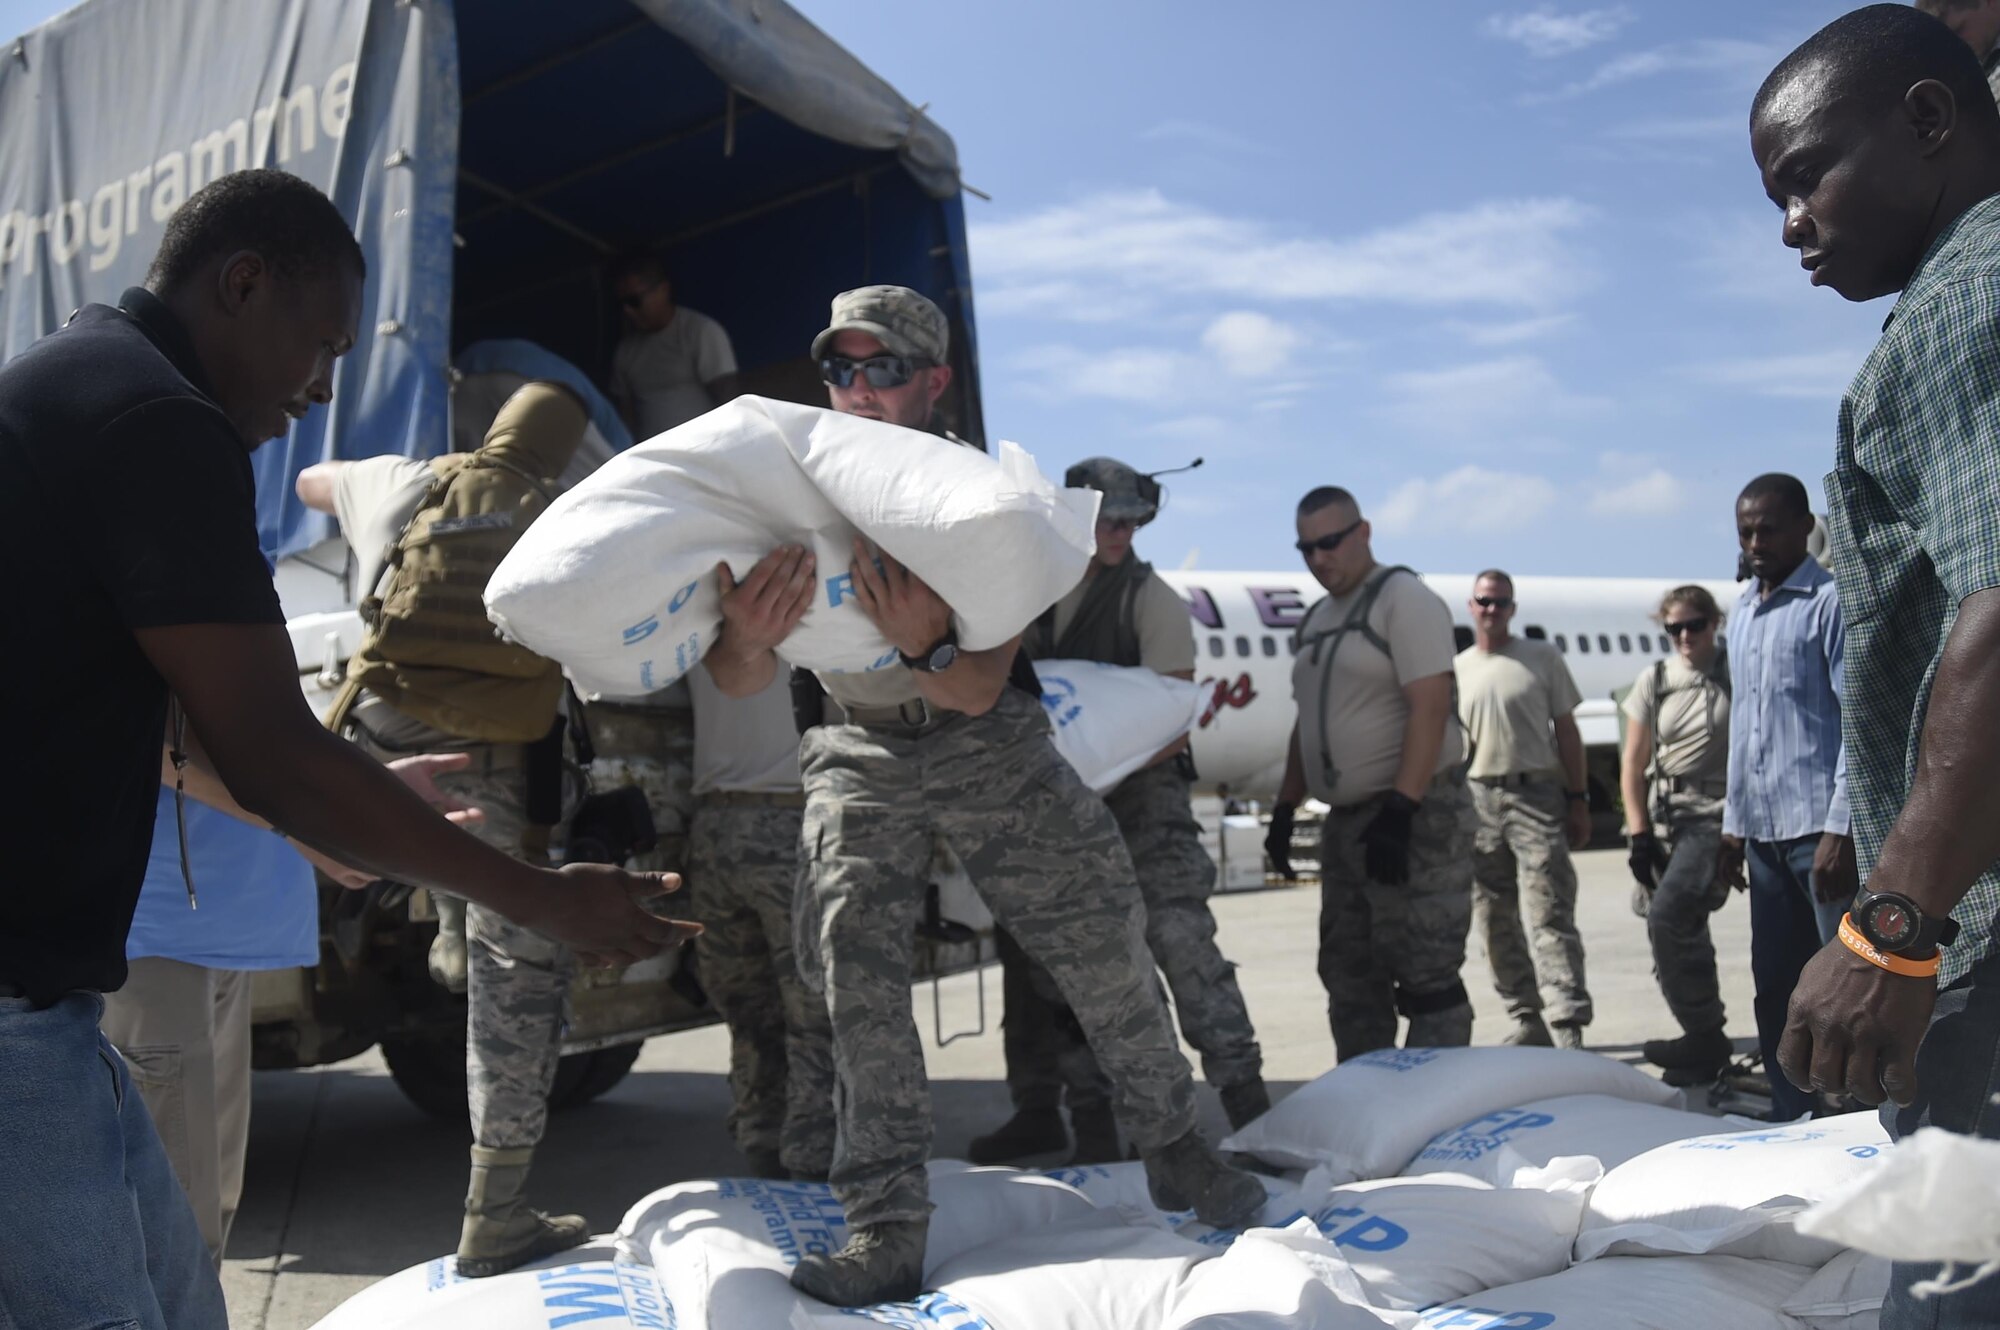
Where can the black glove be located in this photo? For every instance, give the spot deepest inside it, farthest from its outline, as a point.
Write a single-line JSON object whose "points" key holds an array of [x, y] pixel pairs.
{"points": [[1645, 859], [1387, 839], [1278, 841]]}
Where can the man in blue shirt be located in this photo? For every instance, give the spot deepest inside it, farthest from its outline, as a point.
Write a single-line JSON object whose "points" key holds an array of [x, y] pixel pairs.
{"points": [[1786, 811]]}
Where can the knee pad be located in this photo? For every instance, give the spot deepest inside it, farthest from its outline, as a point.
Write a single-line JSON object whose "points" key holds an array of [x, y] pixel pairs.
{"points": [[1413, 1004]]}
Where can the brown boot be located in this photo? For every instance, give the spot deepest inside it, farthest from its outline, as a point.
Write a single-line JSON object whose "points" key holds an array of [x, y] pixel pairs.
{"points": [[880, 1263], [1188, 1175], [501, 1232]]}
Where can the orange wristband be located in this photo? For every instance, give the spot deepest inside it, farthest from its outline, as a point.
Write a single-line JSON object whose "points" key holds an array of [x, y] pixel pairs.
{"points": [[1866, 950]]}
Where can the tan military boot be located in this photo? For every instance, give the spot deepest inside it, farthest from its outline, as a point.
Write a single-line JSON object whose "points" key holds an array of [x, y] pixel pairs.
{"points": [[1188, 1175], [500, 1231], [880, 1263], [447, 954]]}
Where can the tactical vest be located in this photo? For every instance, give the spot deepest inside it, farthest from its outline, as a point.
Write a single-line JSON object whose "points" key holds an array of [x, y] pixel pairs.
{"points": [[1105, 627], [430, 650], [1715, 771]]}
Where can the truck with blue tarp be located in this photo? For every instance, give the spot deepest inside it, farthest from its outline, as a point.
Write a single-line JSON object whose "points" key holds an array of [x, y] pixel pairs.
{"points": [[493, 156]]}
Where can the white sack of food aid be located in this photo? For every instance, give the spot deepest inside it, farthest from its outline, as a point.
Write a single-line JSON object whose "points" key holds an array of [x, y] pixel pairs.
{"points": [[1109, 720], [1740, 1194], [1094, 1276], [1369, 1116], [1635, 1293], [1496, 1146], [1121, 1189], [1414, 1243], [1279, 1279], [596, 1285], [725, 1248], [1845, 1294], [1935, 1204], [617, 579]]}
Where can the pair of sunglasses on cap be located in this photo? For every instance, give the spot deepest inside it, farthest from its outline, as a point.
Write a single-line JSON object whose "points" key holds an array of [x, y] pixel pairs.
{"points": [[880, 371]]}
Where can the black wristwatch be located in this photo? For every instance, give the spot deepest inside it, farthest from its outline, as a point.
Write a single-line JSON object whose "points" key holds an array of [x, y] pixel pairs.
{"points": [[937, 658], [1578, 796], [1894, 923]]}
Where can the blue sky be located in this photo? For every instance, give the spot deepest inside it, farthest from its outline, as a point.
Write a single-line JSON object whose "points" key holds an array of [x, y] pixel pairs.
{"points": [[1502, 269]]}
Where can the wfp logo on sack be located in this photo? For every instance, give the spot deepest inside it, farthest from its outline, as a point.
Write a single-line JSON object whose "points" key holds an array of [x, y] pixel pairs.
{"points": [[1458, 1316], [1397, 1059], [1367, 1233], [1482, 1136], [616, 1291], [932, 1311], [1059, 699], [798, 1217], [1796, 1136], [649, 625]]}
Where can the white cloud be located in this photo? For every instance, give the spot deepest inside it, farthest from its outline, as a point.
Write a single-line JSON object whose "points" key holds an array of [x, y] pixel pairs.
{"points": [[1137, 246], [1471, 498], [1485, 400], [1545, 33], [1808, 374], [1634, 485], [1512, 333], [1199, 134], [1250, 345], [1727, 56], [1122, 374]]}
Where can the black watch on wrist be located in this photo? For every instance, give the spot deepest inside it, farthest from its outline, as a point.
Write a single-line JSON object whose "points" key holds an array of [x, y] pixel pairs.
{"points": [[937, 658], [1894, 923], [1578, 796]]}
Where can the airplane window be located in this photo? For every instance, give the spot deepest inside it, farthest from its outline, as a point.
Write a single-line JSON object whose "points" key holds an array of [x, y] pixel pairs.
{"points": [[1270, 645], [1461, 635], [1562, 644], [1536, 631], [1666, 645], [1215, 646], [1624, 644], [1291, 647], [1604, 643], [1242, 646], [1646, 643], [1583, 643]]}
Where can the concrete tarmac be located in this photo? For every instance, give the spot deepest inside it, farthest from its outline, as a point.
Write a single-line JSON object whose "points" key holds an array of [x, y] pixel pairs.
{"points": [[348, 1183]]}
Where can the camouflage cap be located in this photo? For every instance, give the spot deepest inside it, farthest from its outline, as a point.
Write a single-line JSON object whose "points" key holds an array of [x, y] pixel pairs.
{"points": [[1128, 495], [903, 321]]}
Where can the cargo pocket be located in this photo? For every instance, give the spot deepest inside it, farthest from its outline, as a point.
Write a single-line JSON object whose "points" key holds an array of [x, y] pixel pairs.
{"points": [[156, 1073]]}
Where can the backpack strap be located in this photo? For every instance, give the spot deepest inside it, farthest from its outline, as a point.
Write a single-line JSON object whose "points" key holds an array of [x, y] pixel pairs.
{"points": [[1356, 621]]}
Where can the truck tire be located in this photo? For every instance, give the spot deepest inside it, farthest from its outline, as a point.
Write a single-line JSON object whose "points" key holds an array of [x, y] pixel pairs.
{"points": [[431, 1074]]}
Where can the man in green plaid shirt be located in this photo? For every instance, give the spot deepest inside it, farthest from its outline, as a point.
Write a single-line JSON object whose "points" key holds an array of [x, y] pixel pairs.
{"points": [[1881, 144]]}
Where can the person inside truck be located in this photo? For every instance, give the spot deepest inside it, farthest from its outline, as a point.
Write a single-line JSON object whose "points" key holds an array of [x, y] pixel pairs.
{"points": [[147, 411], [674, 363]]}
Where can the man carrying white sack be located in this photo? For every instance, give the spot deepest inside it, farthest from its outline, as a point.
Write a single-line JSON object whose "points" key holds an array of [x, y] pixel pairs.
{"points": [[951, 743], [1123, 613]]}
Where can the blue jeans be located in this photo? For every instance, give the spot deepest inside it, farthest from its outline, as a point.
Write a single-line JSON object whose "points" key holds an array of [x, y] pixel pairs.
{"points": [[98, 1232], [1787, 929], [1958, 1077]]}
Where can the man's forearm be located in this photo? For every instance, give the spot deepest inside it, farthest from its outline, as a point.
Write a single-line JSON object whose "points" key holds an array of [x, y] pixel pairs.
{"points": [[1292, 789], [974, 682], [1949, 830], [1569, 747], [1423, 740]]}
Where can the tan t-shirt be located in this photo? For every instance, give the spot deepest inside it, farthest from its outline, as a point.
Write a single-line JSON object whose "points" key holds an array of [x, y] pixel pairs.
{"points": [[374, 499], [1160, 618], [747, 744], [1693, 724], [665, 374], [1351, 718], [1509, 701]]}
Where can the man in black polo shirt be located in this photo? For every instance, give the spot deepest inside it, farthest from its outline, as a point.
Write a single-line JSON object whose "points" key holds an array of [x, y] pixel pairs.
{"points": [[127, 513]]}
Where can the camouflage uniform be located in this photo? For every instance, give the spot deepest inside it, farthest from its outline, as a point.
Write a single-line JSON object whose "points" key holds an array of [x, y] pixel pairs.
{"points": [[1520, 854], [1383, 949], [652, 747], [1045, 854], [1677, 914], [1176, 878], [743, 862]]}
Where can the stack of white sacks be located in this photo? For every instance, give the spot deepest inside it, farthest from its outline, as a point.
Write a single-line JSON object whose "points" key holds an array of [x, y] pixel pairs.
{"points": [[1434, 1189]]}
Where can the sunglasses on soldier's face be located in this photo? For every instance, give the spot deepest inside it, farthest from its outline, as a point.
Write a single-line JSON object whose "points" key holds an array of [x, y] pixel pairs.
{"points": [[1327, 544], [880, 371], [1492, 602], [1696, 627]]}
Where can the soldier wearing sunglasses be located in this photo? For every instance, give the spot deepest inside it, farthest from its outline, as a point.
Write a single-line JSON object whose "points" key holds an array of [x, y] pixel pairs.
{"points": [[1516, 697], [950, 743], [1379, 741]]}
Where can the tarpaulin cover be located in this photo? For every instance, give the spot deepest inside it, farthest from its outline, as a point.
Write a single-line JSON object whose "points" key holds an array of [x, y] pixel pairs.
{"points": [[491, 160]]}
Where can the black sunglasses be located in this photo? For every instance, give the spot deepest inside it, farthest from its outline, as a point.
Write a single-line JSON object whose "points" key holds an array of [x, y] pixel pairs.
{"points": [[1492, 602], [880, 371], [1685, 626], [634, 299], [1328, 543]]}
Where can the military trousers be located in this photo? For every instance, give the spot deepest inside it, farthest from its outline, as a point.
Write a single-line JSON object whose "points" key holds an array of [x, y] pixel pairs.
{"points": [[743, 863], [1521, 866], [1388, 950], [651, 747], [1046, 856], [1677, 922], [1176, 879]]}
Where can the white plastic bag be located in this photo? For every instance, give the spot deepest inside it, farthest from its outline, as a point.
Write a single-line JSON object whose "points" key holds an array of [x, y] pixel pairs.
{"points": [[617, 579], [594, 1285], [1369, 1116], [1093, 1276], [1635, 1293], [1279, 1279], [1936, 1203], [1739, 1193], [1109, 719], [1497, 1145]]}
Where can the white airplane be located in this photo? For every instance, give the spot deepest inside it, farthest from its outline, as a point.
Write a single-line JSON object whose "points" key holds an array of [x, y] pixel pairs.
{"points": [[1243, 627]]}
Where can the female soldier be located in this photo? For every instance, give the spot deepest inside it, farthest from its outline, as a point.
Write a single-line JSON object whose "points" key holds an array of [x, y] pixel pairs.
{"points": [[1676, 760]]}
